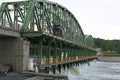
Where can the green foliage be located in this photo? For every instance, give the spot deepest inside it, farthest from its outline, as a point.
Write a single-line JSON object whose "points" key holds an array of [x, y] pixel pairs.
{"points": [[108, 45], [110, 54]]}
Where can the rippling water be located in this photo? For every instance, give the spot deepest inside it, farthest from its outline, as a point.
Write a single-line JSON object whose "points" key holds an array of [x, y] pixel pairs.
{"points": [[96, 71]]}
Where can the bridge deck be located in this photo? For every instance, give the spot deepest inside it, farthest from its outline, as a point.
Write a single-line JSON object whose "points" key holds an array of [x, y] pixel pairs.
{"points": [[9, 32]]}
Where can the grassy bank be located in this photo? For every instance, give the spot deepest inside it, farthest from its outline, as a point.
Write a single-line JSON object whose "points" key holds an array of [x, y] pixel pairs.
{"points": [[110, 54]]}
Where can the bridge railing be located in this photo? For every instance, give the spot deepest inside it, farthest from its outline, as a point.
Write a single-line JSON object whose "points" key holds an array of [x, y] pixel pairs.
{"points": [[7, 26]]}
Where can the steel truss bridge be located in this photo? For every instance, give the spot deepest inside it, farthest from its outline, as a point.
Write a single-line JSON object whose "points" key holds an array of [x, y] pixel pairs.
{"points": [[35, 20]]}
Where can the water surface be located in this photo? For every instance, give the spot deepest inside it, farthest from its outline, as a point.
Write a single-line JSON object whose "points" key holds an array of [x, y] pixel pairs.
{"points": [[96, 71]]}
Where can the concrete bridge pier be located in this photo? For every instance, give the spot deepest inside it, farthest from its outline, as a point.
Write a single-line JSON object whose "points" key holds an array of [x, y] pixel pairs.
{"points": [[22, 56], [15, 52]]}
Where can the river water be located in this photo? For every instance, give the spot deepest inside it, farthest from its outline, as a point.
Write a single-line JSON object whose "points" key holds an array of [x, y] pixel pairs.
{"points": [[95, 71]]}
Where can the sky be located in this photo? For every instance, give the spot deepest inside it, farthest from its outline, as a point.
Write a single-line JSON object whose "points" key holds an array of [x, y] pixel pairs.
{"points": [[99, 18]]}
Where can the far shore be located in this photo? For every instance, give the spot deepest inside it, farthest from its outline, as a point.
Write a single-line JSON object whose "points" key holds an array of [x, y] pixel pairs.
{"points": [[108, 59]]}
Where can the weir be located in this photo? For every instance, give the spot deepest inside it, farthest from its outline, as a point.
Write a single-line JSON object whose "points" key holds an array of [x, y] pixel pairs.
{"points": [[50, 36]]}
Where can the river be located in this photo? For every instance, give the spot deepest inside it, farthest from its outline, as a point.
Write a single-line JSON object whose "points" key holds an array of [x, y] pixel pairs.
{"points": [[95, 71]]}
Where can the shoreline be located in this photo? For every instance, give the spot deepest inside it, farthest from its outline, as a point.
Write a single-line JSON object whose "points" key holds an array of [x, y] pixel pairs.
{"points": [[108, 59]]}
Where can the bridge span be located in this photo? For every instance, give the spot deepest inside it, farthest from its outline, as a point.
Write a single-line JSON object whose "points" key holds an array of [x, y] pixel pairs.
{"points": [[42, 33]]}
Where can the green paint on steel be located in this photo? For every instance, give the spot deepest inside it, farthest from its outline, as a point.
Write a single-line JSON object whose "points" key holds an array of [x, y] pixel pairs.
{"points": [[89, 41], [2, 9], [35, 20], [40, 50], [34, 15], [28, 15]]}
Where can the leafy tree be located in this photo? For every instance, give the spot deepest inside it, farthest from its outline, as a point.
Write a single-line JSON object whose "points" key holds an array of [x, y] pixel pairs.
{"points": [[108, 45]]}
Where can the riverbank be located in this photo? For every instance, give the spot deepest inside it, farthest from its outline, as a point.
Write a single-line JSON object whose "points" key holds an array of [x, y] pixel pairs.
{"points": [[109, 59], [32, 76]]}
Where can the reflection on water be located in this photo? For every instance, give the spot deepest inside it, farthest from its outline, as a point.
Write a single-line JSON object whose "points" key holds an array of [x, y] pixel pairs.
{"points": [[96, 71]]}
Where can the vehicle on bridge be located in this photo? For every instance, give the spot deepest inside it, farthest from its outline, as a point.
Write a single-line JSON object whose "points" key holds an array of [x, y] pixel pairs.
{"points": [[50, 34]]}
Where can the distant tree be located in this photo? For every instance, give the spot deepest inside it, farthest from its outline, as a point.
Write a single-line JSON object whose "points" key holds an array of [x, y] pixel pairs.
{"points": [[108, 45]]}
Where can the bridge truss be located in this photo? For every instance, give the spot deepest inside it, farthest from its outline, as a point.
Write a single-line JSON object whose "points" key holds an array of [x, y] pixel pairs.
{"points": [[35, 19]]}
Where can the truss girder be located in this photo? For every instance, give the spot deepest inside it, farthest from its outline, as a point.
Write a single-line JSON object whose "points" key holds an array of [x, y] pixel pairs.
{"points": [[89, 41], [12, 14], [34, 15]]}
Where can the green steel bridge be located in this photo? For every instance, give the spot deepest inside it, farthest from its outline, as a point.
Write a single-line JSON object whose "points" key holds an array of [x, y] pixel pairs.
{"points": [[35, 20]]}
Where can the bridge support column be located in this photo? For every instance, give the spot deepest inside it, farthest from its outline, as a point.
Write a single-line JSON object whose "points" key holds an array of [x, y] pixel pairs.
{"points": [[22, 57]]}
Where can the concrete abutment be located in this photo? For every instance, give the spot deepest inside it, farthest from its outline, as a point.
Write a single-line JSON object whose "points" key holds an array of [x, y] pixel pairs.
{"points": [[15, 52]]}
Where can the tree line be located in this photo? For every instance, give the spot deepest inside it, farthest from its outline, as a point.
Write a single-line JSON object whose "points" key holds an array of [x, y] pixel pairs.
{"points": [[108, 45]]}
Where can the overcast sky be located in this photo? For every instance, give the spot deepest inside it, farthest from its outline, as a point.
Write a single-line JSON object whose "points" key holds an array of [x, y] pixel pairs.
{"points": [[99, 18]]}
